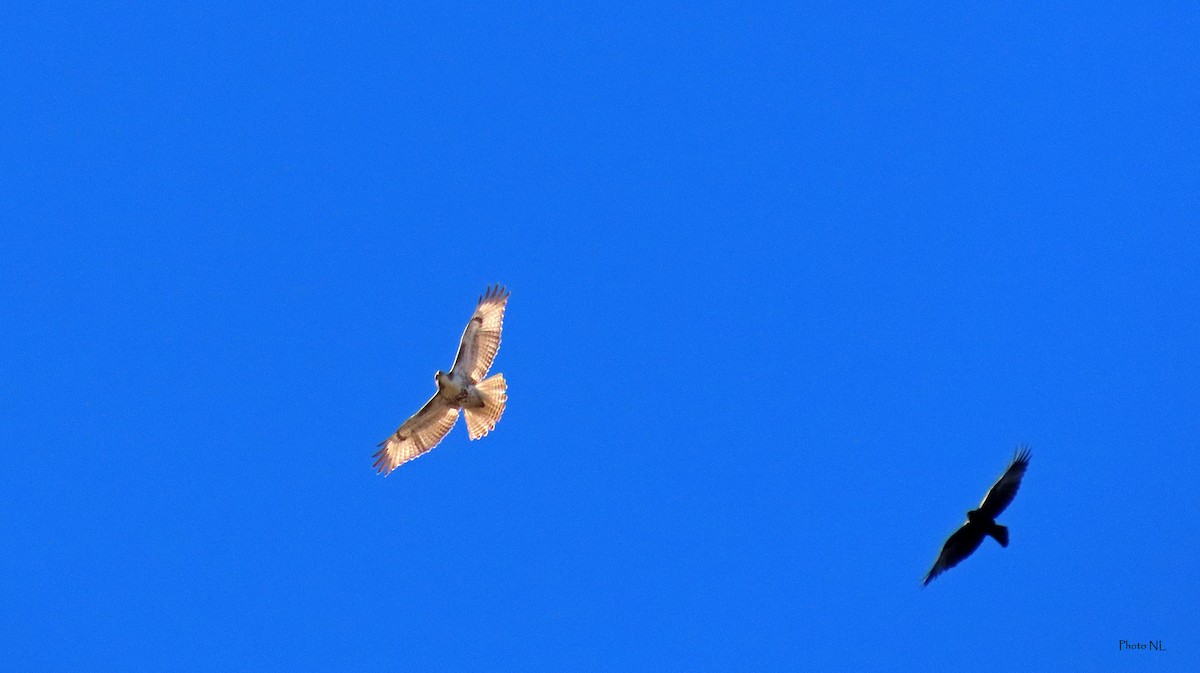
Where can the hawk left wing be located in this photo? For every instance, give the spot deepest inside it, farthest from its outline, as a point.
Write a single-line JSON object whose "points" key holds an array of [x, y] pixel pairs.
{"points": [[481, 339], [417, 435], [962, 544]]}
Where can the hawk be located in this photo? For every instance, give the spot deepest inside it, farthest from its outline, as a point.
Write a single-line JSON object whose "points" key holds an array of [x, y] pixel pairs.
{"points": [[463, 388], [981, 522]]}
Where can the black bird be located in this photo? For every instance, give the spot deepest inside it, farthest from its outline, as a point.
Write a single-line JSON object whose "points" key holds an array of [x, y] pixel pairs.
{"points": [[981, 522]]}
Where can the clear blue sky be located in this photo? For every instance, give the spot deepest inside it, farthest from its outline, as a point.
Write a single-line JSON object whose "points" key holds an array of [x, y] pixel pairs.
{"points": [[789, 284]]}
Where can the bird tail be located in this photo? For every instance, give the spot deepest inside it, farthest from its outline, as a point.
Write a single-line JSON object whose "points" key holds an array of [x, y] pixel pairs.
{"points": [[1000, 533], [494, 393]]}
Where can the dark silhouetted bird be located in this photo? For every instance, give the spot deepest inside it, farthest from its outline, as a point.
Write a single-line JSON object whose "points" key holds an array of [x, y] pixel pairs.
{"points": [[981, 522]]}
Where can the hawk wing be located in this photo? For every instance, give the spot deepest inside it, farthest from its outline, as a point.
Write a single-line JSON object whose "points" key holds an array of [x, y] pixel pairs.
{"points": [[481, 339], [959, 546], [1005, 489], [417, 435]]}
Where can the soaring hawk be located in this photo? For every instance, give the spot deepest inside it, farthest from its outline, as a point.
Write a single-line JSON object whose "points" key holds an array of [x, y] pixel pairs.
{"points": [[981, 522], [463, 388]]}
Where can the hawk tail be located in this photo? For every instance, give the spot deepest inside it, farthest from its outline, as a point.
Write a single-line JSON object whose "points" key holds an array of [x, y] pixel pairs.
{"points": [[1000, 533], [482, 420]]}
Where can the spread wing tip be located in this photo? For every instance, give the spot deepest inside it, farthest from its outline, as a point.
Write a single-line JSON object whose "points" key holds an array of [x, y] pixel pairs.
{"points": [[382, 463], [937, 569], [494, 293], [1022, 454]]}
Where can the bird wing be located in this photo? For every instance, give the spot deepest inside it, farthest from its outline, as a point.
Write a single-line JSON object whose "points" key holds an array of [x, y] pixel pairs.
{"points": [[958, 546], [481, 339], [1005, 489], [417, 435]]}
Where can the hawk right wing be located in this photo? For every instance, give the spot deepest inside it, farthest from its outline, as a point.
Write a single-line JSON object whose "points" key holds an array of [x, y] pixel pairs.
{"points": [[1005, 488], [417, 435], [481, 339]]}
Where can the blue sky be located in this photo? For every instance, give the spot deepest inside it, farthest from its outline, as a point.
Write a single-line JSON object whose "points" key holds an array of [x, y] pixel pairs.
{"points": [[789, 284]]}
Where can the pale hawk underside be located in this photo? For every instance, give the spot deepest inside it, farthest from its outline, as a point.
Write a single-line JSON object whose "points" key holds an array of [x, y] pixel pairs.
{"points": [[463, 388]]}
